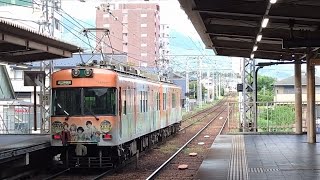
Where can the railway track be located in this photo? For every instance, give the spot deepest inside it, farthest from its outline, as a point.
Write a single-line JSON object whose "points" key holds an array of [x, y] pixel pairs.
{"points": [[188, 117], [155, 158], [199, 116], [186, 158]]}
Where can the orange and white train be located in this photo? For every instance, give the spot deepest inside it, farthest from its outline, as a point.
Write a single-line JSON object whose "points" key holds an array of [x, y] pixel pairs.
{"points": [[102, 116]]}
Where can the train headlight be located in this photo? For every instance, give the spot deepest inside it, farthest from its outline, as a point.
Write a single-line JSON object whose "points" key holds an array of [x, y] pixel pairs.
{"points": [[75, 72], [105, 126], [88, 72], [82, 73]]}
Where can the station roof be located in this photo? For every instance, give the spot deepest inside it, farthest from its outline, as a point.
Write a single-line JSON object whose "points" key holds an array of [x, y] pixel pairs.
{"points": [[231, 27], [19, 45]]}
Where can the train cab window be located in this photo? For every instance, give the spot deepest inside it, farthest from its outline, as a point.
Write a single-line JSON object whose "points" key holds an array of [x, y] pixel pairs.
{"points": [[100, 101], [66, 102]]}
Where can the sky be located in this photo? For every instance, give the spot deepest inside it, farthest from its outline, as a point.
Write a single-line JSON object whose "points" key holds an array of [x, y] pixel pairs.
{"points": [[184, 40]]}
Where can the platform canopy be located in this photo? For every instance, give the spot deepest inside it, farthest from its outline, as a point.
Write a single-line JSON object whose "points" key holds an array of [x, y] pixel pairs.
{"points": [[233, 27], [19, 45]]}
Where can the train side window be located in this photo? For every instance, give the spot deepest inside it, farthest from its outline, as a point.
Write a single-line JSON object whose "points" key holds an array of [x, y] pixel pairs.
{"points": [[173, 100], [141, 102], [158, 102], [125, 102], [146, 101], [164, 101]]}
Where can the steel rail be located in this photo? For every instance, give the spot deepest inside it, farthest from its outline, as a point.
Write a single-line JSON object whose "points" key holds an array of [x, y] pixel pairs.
{"points": [[200, 118], [103, 174], [57, 174], [177, 152]]}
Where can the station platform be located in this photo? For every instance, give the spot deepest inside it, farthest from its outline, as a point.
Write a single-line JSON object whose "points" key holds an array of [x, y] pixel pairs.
{"points": [[16, 145], [260, 157]]}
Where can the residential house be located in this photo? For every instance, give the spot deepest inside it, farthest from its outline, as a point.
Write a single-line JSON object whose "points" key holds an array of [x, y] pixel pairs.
{"points": [[285, 94]]}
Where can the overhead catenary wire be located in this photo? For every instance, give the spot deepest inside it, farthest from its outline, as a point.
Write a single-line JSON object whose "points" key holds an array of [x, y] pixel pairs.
{"points": [[103, 42], [96, 38]]}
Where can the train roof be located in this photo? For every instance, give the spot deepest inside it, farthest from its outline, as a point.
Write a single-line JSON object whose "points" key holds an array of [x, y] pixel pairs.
{"points": [[125, 71]]}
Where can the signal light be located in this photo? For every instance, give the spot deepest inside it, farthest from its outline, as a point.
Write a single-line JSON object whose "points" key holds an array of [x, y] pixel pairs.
{"points": [[107, 137], [56, 136]]}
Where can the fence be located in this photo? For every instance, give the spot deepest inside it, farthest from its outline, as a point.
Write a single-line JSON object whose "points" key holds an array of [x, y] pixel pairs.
{"points": [[18, 119], [271, 117]]}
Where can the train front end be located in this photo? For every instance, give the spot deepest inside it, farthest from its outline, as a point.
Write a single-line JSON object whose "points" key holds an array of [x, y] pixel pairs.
{"points": [[84, 114]]}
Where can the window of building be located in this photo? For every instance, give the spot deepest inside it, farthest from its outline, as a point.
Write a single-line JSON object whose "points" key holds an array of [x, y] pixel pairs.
{"points": [[18, 74], [57, 24], [288, 90], [143, 25], [143, 15], [144, 35], [144, 54], [143, 45], [106, 25], [106, 15]]}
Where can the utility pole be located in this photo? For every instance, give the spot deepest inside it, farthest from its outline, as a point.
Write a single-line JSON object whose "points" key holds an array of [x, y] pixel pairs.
{"points": [[219, 79], [47, 26], [187, 105], [213, 87], [208, 87], [199, 89], [217, 85]]}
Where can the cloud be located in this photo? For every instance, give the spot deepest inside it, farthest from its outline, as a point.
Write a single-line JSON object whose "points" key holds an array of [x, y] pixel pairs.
{"points": [[172, 14], [85, 11]]}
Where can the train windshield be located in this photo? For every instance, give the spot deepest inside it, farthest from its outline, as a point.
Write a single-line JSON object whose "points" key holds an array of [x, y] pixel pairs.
{"points": [[66, 102], [83, 101], [99, 101]]}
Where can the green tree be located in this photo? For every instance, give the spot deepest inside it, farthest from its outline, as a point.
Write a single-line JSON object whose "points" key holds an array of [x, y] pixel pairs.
{"points": [[193, 85], [265, 88]]}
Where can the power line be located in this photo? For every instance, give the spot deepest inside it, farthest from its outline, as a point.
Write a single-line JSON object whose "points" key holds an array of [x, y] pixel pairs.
{"points": [[65, 26], [96, 38]]}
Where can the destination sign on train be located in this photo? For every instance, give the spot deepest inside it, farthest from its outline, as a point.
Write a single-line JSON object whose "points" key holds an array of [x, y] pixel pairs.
{"points": [[64, 82]]}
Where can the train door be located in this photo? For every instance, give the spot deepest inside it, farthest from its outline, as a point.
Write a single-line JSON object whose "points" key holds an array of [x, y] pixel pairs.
{"points": [[130, 115], [120, 113], [154, 109]]}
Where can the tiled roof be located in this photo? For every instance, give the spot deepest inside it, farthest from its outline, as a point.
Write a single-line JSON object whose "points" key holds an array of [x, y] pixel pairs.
{"points": [[290, 81]]}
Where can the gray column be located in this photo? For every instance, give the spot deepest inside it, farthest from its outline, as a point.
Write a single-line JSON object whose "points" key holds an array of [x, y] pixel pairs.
{"points": [[311, 102], [298, 98]]}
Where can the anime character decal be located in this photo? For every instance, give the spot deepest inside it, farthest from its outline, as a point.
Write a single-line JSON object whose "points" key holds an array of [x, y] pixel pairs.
{"points": [[73, 133]]}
